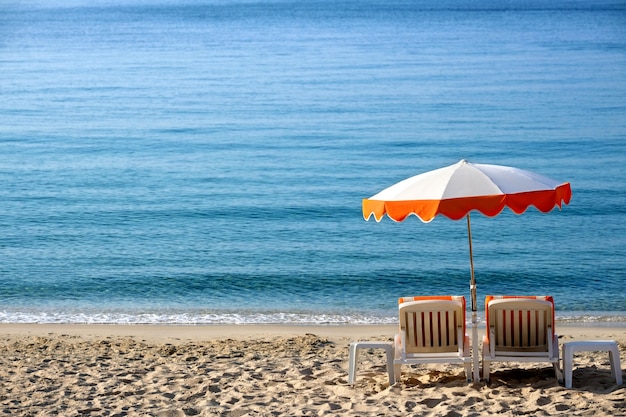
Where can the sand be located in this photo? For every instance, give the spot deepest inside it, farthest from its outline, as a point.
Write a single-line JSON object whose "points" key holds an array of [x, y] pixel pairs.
{"points": [[82, 370]]}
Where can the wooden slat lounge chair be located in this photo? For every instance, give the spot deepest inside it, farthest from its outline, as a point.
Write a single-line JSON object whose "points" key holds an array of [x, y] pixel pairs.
{"points": [[520, 329], [432, 330]]}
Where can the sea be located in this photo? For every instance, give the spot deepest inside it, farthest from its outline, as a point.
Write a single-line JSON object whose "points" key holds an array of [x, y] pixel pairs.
{"points": [[204, 161]]}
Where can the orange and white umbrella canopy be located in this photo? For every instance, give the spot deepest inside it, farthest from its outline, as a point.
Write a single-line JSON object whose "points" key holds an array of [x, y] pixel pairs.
{"points": [[457, 189]]}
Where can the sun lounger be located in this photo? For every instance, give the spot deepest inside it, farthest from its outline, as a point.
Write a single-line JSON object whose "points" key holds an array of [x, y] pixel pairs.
{"points": [[432, 330], [520, 329]]}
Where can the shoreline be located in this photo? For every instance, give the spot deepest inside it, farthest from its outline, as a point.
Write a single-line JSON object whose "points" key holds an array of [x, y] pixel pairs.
{"points": [[196, 318], [156, 333]]}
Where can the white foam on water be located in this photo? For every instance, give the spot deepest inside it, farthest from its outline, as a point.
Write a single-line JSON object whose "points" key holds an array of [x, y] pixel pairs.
{"points": [[286, 318]]}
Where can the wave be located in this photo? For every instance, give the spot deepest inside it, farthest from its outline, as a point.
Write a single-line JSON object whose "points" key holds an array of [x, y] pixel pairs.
{"points": [[261, 318]]}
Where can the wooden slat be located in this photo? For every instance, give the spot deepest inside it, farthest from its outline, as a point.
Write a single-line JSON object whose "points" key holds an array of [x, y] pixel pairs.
{"points": [[410, 328], [500, 328], [525, 328], [541, 339], [428, 320], [533, 323], [446, 335], [434, 337]]}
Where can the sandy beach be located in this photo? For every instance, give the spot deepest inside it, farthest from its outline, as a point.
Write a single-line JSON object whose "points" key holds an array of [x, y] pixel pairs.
{"points": [[85, 370]]}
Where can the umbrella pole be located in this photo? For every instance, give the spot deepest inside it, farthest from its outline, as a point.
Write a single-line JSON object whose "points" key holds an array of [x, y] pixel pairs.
{"points": [[471, 255], [473, 299]]}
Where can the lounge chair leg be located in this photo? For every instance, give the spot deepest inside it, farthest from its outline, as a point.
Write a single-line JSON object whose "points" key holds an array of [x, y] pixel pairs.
{"points": [[557, 364], [397, 373], [468, 372], [558, 373], [352, 361], [486, 369], [616, 369]]}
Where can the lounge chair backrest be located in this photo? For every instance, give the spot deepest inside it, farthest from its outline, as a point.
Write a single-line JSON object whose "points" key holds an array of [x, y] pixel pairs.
{"points": [[520, 323], [432, 324]]}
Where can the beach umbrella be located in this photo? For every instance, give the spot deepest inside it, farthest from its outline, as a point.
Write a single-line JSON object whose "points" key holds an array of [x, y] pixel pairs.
{"points": [[454, 191]]}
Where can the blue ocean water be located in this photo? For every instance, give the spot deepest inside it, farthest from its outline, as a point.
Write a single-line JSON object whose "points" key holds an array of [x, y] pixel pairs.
{"points": [[205, 161]]}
